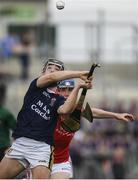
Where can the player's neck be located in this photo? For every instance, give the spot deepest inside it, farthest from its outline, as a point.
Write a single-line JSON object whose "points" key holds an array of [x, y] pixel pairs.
{"points": [[52, 89]]}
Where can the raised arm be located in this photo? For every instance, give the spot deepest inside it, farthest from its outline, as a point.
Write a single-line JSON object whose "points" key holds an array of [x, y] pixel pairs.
{"points": [[99, 113], [70, 103], [47, 79]]}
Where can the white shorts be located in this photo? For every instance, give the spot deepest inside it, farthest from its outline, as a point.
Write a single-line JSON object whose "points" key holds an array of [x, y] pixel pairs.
{"points": [[31, 153], [63, 167]]}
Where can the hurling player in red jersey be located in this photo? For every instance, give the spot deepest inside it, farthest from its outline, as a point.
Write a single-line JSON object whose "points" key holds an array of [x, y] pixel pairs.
{"points": [[62, 167]]}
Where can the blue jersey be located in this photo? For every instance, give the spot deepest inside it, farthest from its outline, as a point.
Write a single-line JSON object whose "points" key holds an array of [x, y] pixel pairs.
{"points": [[38, 116]]}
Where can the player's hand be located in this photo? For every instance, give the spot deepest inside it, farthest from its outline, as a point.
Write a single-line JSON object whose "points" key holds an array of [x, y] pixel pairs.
{"points": [[84, 75], [87, 84], [125, 117]]}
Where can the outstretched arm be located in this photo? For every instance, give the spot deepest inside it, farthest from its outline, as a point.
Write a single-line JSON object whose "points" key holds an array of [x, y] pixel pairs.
{"points": [[47, 79], [99, 113]]}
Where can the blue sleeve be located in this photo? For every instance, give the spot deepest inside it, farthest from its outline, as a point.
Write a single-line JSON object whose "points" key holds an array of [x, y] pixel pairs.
{"points": [[33, 84], [60, 101]]}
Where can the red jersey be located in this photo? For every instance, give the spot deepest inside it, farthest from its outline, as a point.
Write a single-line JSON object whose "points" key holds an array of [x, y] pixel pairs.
{"points": [[62, 140]]}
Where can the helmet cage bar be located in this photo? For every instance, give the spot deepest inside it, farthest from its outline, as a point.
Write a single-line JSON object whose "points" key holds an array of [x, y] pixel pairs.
{"points": [[53, 61]]}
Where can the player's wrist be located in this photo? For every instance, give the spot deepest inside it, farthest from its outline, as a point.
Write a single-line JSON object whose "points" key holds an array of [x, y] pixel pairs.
{"points": [[116, 115]]}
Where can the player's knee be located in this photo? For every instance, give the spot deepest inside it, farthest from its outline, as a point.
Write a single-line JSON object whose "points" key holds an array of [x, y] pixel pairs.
{"points": [[4, 174], [9, 169], [60, 175], [40, 172]]}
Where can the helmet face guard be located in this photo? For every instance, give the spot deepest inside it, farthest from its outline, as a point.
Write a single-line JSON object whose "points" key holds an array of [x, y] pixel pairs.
{"points": [[68, 83], [52, 61]]}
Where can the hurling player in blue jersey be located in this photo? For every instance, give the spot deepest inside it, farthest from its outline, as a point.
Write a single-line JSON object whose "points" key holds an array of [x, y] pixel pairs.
{"points": [[36, 121]]}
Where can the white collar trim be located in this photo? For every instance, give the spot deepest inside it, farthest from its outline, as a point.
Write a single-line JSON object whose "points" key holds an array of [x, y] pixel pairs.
{"points": [[50, 91]]}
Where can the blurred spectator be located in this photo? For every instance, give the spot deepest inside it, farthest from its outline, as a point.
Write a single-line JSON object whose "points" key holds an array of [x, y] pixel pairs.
{"points": [[134, 108], [7, 44], [118, 167], [22, 50], [120, 107], [25, 55], [104, 104], [75, 153], [107, 169], [7, 122]]}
